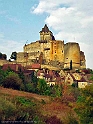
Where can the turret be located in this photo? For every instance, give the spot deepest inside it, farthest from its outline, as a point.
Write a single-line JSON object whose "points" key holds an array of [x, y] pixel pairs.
{"points": [[46, 34]]}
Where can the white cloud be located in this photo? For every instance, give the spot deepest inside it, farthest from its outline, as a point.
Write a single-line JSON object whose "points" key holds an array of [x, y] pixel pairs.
{"points": [[72, 20], [9, 46]]}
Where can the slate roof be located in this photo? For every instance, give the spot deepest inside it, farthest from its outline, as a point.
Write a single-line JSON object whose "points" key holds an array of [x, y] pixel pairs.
{"points": [[45, 29]]}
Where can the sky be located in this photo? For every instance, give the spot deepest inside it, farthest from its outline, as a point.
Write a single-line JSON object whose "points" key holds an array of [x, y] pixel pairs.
{"points": [[69, 20]]}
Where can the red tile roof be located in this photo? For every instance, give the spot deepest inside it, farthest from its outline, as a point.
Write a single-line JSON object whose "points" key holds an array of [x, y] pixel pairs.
{"points": [[14, 67], [36, 66]]}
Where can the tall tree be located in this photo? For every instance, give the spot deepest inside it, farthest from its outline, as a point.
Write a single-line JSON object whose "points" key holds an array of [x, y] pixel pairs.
{"points": [[13, 55], [84, 106], [0, 55]]}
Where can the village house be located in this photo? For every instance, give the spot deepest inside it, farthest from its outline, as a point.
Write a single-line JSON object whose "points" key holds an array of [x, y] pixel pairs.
{"points": [[14, 67], [76, 79]]}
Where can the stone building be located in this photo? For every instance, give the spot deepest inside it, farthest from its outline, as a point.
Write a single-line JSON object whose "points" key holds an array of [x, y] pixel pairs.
{"points": [[48, 51]]}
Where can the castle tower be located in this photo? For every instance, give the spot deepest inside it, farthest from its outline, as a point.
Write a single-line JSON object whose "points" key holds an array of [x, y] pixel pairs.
{"points": [[72, 55], [57, 50], [46, 34], [82, 60]]}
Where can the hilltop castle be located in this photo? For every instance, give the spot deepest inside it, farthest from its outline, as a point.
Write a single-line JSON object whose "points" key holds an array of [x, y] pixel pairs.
{"points": [[48, 51]]}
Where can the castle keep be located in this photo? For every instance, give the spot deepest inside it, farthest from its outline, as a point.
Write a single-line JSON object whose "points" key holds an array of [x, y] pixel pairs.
{"points": [[51, 52]]}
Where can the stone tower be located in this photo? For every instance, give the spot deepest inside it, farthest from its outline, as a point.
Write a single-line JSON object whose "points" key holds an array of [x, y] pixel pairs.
{"points": [[46, 34], [71, 55]]}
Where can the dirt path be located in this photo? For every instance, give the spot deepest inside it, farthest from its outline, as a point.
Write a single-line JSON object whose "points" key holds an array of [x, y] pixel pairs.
{"points": [[22, 93]]}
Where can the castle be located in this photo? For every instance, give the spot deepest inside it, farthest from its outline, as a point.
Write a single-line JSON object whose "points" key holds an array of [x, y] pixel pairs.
{"points": [[51, 52]]}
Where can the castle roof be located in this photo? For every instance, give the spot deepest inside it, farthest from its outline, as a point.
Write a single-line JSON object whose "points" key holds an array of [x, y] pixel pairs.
{"points": [[45, 29]]}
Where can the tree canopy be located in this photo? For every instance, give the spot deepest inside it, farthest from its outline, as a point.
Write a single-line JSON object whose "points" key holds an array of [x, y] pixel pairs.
{"points": [[13, 55], [3, 56], [84, 106]]}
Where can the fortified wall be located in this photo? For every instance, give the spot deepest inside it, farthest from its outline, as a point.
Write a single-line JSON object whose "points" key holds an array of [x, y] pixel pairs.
{"points": [[48, 51]]}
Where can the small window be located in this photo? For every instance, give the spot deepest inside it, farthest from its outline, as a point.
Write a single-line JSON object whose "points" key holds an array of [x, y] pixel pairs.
{"points": [[83, 84]]}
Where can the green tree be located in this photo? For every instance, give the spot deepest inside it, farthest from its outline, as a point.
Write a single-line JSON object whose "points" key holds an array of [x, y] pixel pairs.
{"points": [[34, 81], [42, 86], [1, 76], [84, 105], [14, 55], [0, 55], [4, 56], [12, 81], [56, 90], [7, 109]]}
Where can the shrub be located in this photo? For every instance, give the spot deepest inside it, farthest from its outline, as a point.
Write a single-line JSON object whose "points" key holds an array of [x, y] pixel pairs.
{"points": [[12, 81], [53, 120], [7, 109], [70, 119], [84, 105]]}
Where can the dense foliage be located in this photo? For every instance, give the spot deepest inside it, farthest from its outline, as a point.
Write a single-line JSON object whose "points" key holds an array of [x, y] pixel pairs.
{"points": [[18, 81], [3, 56], [84, 106], [21, 109], [13, 55], [13, 81]]}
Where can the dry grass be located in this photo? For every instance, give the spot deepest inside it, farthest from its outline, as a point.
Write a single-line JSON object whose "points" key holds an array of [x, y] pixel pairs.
{"points": [[24, 94], [48, 109]]}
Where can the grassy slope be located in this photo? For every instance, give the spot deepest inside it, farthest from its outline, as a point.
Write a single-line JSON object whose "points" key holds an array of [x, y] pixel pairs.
{"points": [[48, 108], [12, 92]]}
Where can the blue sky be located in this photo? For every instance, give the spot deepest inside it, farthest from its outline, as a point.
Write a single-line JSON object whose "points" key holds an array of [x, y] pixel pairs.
{"points": [[69, 20]]}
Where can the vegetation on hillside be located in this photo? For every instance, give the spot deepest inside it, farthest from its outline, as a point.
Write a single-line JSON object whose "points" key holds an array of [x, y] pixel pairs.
{"points": [[67, 104], [84, 105], [18, 81]]}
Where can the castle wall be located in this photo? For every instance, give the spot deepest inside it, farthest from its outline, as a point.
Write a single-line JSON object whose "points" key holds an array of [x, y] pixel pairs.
{"points": [[32, 47], [82, 60], [22, 57], [57, 50], [3, 62], [72, 52]]}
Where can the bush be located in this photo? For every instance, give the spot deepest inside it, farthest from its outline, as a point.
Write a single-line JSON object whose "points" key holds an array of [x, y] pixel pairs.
{"points": [[30, 87], [84, 105], [7, 109], [12, 81], [53, 120]]}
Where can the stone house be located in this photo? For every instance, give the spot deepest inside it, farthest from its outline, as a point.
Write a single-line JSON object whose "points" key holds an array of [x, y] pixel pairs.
{"points": [[82, 83], [76, 79], [69, 79]]}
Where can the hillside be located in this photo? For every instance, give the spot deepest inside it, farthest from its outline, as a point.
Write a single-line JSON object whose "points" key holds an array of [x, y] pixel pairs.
{"points": [[13, 93], [43, 107]]}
